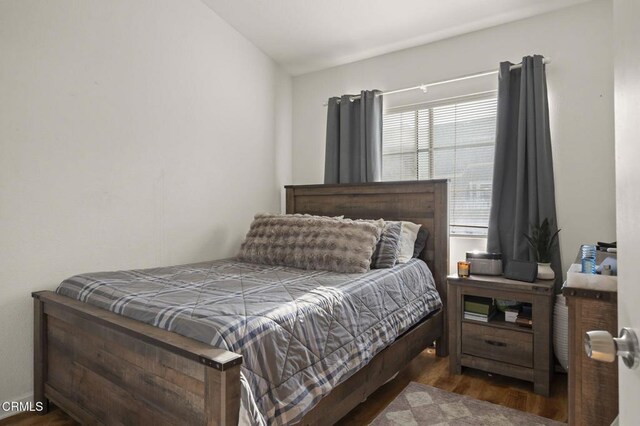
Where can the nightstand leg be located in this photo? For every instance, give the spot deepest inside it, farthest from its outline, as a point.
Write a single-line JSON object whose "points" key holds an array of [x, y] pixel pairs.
{"points": [[541, 388]]}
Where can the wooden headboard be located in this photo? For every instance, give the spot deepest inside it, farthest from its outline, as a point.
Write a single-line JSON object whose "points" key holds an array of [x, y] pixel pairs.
{"points": [[423, 202]]}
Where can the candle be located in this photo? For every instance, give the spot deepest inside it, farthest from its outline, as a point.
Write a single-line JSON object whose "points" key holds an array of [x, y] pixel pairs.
{"points": [[464, 269]]}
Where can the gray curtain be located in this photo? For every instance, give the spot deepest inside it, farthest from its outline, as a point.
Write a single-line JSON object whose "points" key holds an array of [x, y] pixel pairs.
{"points": [[354, 138], [523, 186]]}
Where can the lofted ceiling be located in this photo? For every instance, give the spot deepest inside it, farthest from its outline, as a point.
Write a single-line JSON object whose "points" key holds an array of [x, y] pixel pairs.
{"points": [[309, 35]]}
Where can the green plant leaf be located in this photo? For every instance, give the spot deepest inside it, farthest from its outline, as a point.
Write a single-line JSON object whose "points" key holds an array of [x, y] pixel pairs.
{"points": [[530, 240], [542, 241]]}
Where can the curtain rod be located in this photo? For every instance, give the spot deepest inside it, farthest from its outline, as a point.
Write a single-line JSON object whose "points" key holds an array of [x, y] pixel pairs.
{"points": [[424, 87]]}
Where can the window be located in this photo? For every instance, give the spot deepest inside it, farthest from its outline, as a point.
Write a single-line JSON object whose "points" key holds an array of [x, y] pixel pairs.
{"points": [[453, 140]]}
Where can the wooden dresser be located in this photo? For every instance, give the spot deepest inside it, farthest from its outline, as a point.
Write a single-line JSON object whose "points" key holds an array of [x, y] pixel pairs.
{"points": [[593, 385]]}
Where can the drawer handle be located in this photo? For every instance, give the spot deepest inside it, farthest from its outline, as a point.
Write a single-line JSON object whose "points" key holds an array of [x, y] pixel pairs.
{"points": [[494, 343]]}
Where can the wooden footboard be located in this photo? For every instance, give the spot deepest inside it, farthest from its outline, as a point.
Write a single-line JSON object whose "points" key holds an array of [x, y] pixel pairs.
{"points": [[104, 368]]}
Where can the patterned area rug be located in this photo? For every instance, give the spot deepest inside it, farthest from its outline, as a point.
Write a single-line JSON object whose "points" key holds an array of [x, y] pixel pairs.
{"points": [[425, 405]]}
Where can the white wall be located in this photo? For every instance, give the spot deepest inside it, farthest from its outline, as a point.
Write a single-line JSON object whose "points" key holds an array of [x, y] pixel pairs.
{"points": [[132, 134], [580, 80]]}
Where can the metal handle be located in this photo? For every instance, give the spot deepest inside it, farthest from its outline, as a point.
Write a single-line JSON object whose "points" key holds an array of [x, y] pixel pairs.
{"points": [[494, 343], [601, 346]]}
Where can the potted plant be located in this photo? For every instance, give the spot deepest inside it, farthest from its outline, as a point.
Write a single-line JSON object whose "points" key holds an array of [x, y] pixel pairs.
{"points": [[543, 243]]}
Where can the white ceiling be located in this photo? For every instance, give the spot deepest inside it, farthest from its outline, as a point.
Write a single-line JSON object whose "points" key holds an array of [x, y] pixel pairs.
{"points": [[309, 35]]}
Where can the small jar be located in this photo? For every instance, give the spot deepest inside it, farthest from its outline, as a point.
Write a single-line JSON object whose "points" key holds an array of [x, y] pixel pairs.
{"points": [[464, 269]]}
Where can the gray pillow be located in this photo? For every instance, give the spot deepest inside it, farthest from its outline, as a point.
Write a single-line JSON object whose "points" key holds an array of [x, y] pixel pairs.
{"points": [[421, 241], [311, 242], [386, 253]]}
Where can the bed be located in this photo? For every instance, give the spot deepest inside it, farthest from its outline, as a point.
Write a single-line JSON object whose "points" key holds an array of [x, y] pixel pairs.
{"points": [[103, 367]]}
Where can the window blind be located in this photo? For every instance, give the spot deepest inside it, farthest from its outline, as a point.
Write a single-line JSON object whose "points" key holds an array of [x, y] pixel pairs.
{"points": [[446, 140]]}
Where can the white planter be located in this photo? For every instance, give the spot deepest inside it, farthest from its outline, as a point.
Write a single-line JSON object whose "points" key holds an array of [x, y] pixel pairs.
{"points": [[545, 272]]}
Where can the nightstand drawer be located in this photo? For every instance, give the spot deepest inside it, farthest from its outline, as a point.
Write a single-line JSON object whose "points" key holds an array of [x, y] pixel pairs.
{"points": [[511, 346]]}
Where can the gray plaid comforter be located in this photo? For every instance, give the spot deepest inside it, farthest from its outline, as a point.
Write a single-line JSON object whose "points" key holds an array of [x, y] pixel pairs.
{"points": [[300, 332]]}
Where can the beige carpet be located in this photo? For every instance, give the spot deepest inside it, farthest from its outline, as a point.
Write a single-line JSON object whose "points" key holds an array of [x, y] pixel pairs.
{"points": [[420, 404]]}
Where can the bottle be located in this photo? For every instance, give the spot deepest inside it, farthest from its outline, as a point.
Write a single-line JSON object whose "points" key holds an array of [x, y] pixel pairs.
{"points": [[588, 258]]}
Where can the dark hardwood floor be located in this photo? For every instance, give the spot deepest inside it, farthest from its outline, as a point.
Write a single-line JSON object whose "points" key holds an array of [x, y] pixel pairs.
{"points": [[427, 369]]}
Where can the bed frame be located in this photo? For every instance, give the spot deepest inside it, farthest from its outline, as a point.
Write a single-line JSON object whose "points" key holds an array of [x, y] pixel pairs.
{"points": [[100, 367]]}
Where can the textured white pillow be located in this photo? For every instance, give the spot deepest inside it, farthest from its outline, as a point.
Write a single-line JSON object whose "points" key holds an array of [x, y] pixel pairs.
{"points": [[407, 241]]}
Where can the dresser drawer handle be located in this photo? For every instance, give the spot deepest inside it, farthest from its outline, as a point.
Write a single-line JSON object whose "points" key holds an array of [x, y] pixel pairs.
{"points": [[494, 343]]}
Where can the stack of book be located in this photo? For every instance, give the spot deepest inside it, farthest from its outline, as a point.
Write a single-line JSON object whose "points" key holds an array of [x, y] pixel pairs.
{"points": [[479, 308], [524, 316]]}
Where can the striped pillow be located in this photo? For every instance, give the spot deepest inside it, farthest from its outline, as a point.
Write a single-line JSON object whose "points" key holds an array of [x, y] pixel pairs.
{"points": [[386, 253]]}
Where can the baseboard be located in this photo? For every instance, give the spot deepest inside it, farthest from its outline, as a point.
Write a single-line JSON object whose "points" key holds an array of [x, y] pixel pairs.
{"points": [[23, 399]]}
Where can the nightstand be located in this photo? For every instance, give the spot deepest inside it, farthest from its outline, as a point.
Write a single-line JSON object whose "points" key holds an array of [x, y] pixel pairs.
{"points": [[498, 346]]}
